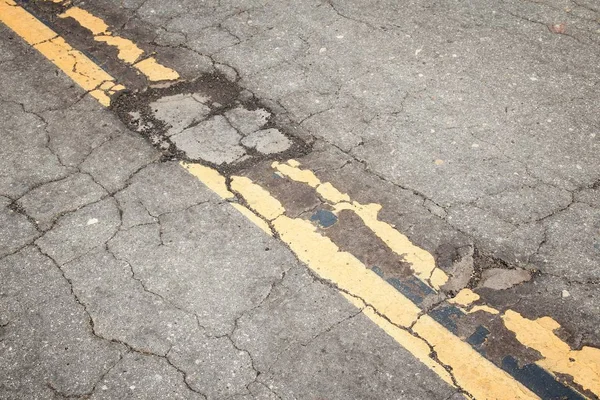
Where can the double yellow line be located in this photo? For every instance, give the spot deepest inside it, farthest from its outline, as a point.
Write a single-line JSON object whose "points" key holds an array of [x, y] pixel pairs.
{"points": [[456, 362], [76, 65]]}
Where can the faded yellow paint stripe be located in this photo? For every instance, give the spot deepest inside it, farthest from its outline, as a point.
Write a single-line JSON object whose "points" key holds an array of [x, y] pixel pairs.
{"points": [[558, 358], [257, 198], [474, 373], [583, 365], [90, 22], [421, 261], [128, 51], [24, 24], [380, 302], [83, 71], [155, 71]]}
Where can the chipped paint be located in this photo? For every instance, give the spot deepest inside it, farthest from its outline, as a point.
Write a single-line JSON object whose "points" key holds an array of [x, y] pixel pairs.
{"points": [[421, 261], [483, 308], [344, 270], [128, 51], [90, 22], [464, 298], [83, 71], [438, 278], [583, 365], [155, 71], [327, 191]]}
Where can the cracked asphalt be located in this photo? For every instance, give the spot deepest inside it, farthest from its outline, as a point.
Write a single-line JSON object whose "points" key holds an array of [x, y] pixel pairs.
{"points": [[175, 243]]}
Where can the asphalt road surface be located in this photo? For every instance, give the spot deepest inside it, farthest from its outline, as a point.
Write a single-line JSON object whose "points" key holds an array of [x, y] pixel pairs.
{"points": [[330, 199]]}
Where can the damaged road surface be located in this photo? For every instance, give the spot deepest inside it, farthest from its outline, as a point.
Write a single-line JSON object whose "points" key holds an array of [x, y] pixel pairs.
{"points": [[215, 200]]}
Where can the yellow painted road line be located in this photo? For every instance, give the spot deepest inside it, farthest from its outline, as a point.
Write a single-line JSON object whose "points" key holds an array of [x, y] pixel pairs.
{"points": [[129, 52], [583, 365], [421, 261], [387, 307], [93, 79]]}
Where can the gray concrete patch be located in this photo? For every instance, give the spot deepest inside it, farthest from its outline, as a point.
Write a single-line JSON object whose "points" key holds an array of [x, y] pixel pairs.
{"points": [[247, 121], [213, 141], [267, 141], [500, 279], [168, 116], [45, 203], [179, 111]]}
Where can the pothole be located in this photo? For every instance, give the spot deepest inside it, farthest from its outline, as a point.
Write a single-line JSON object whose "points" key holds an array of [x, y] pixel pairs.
{"points": [[210, 120]]}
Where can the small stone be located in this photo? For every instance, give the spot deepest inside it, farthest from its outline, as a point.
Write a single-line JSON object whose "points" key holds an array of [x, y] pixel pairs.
{"points": [[558, 28], [565, 293], [92, 221]]}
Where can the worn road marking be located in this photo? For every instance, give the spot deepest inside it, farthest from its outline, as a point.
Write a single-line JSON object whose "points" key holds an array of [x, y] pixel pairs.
{"points": [[93, 79], [129, 52], [455, 361], [583, 365], [422, 263], [388, 308]]}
